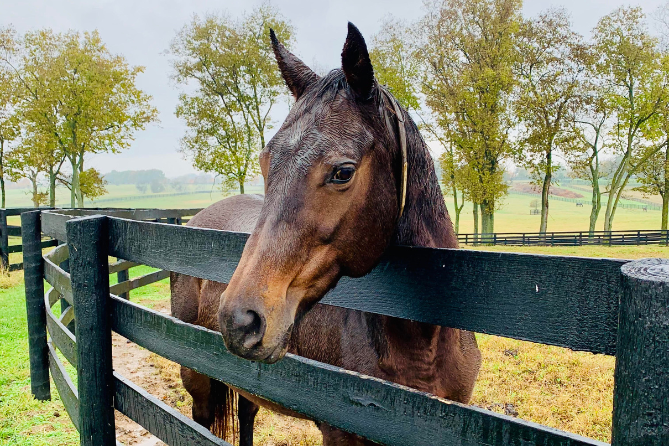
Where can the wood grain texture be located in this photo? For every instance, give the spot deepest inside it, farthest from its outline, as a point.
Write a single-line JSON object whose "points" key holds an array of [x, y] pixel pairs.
{"points": [[65, 387], [641, 394], [382, 411], [61, 337], [121, 265], [59, 255], [58, 279], [161, 420], [87, 244], [53, 224], [137, 282], [36, 310], [570, 302]]}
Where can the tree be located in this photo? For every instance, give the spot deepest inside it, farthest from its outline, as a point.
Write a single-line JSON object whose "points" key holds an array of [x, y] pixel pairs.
{"points": [[468, 51], [394, 55], [80, 96], [237, 83], [653, 177], [453, 179], [550, 71], [9, 122], [635, 75], [584, 155], [27, 161]]}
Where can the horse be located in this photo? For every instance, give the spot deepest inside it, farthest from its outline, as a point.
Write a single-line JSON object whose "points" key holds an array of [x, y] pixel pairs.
{"points": [[346, 176]]}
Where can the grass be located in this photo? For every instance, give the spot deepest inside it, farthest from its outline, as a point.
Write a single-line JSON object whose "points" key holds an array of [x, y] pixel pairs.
{"points": [[549, 385], [23, 420]]}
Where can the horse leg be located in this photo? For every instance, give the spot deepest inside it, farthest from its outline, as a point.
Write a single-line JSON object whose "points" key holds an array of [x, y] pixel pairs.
{"points": [[199, 386], [246, 413], [336, 437]]}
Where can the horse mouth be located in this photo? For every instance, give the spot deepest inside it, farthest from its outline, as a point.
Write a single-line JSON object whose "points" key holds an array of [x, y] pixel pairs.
{"points": [[261, 353]]}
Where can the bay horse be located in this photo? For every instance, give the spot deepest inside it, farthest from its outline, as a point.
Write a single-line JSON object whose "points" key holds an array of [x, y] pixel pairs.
{"points": [[346, 176]]}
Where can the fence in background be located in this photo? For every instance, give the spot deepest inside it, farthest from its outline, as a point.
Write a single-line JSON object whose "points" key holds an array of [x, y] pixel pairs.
{"points": [[604, 306], [609, 238]]}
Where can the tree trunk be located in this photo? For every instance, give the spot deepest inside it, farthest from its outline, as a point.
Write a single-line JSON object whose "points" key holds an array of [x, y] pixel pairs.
{"points": [[73, 187], [665, 210], [241, 187], [35, 200], [545, 190], [457, 211], [665, 195], [596, 207], [596, 196], [476, 223], [2, 171], [52, 187], [487, 220], [80, 193]]}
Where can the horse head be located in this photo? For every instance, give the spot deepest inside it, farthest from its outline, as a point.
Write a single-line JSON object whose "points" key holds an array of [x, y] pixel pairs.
{"points": [[333, 194]]}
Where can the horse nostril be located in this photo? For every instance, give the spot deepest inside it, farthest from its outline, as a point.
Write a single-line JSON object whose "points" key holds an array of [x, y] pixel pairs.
{"points": [[249, 326]]}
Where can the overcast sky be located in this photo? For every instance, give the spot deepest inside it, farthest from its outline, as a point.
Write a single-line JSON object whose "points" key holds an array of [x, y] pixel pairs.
{"points": [[141, 30]]}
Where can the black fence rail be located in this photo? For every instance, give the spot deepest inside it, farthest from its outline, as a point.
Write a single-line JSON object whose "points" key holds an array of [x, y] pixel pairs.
{"points": [[173, 216], [605, 306], [611, 238]]}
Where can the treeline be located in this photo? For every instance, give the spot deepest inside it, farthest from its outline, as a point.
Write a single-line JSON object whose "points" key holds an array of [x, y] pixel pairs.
{"points": [[494, 87], [64, 96]]}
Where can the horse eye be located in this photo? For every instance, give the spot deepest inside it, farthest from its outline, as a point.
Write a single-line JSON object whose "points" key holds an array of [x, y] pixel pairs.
{"points": [[342, 174]]}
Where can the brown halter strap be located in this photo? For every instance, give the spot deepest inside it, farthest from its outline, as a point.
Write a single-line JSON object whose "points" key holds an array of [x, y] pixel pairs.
{"points": [[403, 148]]}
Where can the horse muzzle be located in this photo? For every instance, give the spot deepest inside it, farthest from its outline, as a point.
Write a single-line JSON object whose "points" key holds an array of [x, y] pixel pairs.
{"points": [[252, 333]]}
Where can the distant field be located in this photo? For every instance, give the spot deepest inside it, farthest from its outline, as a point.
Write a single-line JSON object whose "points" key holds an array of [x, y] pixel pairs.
{"points": [[513, 215]]}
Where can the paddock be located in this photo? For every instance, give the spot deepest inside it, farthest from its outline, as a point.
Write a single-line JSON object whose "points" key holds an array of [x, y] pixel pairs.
{"points": [[602, 306]]}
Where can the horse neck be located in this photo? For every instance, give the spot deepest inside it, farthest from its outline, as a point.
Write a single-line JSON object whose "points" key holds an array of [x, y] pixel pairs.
{"points": [[425, 221]]}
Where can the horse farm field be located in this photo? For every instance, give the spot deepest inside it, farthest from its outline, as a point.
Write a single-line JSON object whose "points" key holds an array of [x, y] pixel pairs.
{"points": [[549, 385], [513, 215]]}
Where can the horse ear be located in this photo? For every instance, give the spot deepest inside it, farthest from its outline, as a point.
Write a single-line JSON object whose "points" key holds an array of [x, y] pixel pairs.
{"points": [[297, 75], [356, 64]]}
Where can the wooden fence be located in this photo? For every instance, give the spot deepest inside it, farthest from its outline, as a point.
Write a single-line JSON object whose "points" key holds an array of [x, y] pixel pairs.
{"points": [[604, 306], [609, 238], [6, 230]]}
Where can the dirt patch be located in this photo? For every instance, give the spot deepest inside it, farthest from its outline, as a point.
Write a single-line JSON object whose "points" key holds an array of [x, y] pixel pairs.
{"points": [[134, 363], [532, 189], [161, 378]]}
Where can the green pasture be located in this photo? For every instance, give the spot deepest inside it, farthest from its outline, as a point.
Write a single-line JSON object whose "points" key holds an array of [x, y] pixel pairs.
{"points": [[514, 216], [25, 421]]}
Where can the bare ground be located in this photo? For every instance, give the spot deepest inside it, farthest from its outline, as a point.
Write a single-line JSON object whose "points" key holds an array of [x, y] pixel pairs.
{"points": [[160, 377]]}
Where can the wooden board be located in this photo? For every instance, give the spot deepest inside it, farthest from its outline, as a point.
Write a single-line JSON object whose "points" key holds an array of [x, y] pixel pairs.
{"points": [[384, 412], [65, 387], [61, 337], [58, 279], [161, 420], [137, 282], [566, 301]]}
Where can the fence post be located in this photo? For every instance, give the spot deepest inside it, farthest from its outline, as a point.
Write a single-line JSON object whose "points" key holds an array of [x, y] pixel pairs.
{"points": [[641, 394], [4, 240], [89, 270], [33, 278], [123, 276]]}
